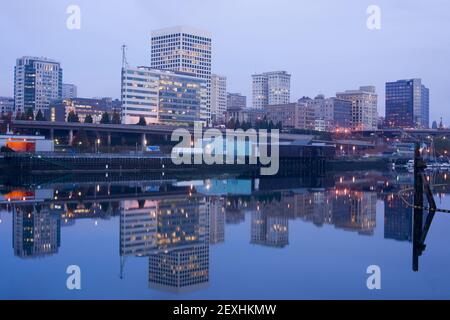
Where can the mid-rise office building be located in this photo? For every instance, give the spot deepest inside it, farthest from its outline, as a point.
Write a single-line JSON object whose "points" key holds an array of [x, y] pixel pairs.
{"points": [[162, 96], [407, 104], [330, 113], [37, 82], [218, 98], [6, 105], [236, 101], [69, 91], [59, 110], [286, 114], [184, 49], [271, 88], [364, 107]]}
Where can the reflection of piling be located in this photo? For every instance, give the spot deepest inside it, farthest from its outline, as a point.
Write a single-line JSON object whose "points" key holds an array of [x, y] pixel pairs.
{"points": [[419, 167]]}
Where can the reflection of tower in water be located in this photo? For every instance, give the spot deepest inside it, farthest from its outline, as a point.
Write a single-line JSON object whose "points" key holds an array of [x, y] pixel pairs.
{"points": [[269, 230], [398, 222], [216, 220], [36, 231], [181, 262]]}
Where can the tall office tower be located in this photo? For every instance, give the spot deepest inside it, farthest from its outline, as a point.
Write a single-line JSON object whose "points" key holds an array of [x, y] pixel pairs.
{"points": [[218, 98], [150, 94], [6, 105], [236, 101], [364, 107], [37, 82], [69, 91], [184, 49], [271, 88], [407, 104]]}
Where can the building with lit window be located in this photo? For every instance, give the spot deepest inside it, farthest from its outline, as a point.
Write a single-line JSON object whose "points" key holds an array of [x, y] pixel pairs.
{"points": [[364, 107], [162, 96], [184, 49], [37, 82], [271, 88], [59, 110], [407, 104]]}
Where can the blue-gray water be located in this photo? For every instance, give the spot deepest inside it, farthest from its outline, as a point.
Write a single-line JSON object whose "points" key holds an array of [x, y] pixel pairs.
{"points": [[220, 239]]}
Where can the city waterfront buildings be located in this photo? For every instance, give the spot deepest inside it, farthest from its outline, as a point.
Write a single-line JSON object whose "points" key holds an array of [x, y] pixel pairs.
{"points": [[271, 88], [407, 104], [37, 82], [218, 98], [364, 107], [162, 96], [184, 49], [69, 91]]}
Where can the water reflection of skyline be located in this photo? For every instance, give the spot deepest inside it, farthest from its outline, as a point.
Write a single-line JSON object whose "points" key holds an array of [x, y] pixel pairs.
{"points": [[173, 224]]}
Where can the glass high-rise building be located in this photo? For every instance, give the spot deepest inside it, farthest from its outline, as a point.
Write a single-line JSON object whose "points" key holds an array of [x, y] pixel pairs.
{"points": [[407, 104], [37, 82], [184, 49]]}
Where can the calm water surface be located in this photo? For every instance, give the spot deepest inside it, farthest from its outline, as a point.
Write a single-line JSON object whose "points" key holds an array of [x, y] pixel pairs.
{"points": [[223, 238]]}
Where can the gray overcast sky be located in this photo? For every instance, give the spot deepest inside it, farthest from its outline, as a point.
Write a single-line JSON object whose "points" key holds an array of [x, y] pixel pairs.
{"points": [[324, 44]]}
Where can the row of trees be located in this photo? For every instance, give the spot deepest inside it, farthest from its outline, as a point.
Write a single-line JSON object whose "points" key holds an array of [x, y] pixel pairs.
{"points": [[28, 115], [105, 119], [261, 124]]}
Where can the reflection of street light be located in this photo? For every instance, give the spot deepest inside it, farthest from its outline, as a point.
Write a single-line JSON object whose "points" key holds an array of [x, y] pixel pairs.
{"points": [[97, 145]]}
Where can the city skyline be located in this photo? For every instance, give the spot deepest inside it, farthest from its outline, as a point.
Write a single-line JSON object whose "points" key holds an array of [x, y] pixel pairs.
{"points": [[378, 59]]}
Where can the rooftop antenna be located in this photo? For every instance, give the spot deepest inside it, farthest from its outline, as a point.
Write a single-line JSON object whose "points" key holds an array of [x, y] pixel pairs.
{"points": [[124, 56], [124, 74]]}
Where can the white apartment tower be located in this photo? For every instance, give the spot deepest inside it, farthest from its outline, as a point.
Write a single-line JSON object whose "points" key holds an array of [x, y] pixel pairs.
{"points": [[364, 107], [271, 88], [184, 49], [218, 98], [37, 82]]}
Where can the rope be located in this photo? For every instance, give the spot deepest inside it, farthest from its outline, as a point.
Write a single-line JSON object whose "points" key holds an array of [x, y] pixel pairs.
{"points": [[402, 197]]}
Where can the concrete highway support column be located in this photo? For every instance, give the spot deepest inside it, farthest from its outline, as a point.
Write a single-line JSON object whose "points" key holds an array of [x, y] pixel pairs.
{"points": [[144, 142], [70, 137]]}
